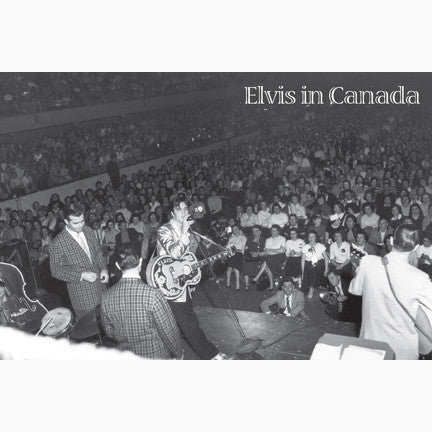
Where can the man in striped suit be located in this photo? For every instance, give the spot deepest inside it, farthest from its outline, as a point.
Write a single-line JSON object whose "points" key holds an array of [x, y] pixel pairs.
{"points": [[76, 258]]}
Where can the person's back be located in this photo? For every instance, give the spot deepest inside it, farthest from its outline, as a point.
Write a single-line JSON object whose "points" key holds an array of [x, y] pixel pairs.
{"points": [[383, 319], [136, 315], [129, 308]]}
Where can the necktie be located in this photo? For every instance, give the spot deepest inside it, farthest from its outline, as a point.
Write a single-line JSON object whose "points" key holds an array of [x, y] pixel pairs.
{"points": [[84, 245]]}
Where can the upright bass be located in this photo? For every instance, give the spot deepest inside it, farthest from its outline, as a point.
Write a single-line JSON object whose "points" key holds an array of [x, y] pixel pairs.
{"points": [[16, 308]]}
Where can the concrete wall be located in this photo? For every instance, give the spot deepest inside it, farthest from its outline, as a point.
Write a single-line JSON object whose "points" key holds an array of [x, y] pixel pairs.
{"points": [[86, 113]]}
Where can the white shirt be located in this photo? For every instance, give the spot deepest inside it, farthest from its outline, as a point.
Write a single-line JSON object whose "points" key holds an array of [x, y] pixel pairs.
{"points": [[340, 254], [314, 253], [298, 210], [371, 220], [239, 242], [275, 242], [280, 219], [294, 245], [382, 317], [263, 217], [247, 220], [81, 240]]}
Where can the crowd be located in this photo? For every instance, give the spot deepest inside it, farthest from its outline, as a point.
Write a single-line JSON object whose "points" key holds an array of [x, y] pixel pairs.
{"points": [[24, 93], [82, 151], [298, 203]]}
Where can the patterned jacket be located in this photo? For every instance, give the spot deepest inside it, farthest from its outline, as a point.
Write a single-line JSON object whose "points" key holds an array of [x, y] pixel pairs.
{"points": [[138, 317], [68, 260]]}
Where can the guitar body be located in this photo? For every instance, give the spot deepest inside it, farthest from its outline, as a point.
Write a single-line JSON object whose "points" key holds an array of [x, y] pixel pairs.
{"points": [[173, 276], [19, 310]]}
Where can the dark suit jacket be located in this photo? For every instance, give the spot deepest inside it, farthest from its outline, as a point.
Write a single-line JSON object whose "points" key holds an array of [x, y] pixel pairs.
{"points": [[68, 260], [351, 307], [133, 236], [298, 302], [375, 237]]}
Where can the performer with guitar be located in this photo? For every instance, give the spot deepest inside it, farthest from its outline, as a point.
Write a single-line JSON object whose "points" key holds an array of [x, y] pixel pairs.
{"points": [[173, 239]]}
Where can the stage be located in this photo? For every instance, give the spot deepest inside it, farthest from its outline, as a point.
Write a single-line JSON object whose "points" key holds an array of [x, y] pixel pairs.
{"points": [[287, 338]]}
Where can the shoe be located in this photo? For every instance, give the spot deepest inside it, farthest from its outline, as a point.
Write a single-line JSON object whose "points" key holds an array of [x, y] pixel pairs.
{"points": [[246, 287], [310, 294], [221, 356], [238, 289]]}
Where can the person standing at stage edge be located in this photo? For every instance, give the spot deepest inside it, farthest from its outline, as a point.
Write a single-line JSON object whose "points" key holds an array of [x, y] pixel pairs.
{"points": [[383, 316], [173, 238], [76, 258]]}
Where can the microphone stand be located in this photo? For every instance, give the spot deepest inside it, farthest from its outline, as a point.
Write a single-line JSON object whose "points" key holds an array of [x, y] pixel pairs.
{"points": [[246, 346]]}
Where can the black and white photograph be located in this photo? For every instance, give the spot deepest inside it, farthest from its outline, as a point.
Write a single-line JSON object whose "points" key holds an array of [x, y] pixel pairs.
{"points": [[202, 216], [186, 189]]}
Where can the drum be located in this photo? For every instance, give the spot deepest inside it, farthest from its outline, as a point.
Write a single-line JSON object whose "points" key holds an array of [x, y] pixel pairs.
{"points": [[61, 323]]}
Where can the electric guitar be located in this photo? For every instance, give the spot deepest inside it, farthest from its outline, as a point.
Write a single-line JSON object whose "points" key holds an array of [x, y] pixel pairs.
{"points": [[173, 276]]}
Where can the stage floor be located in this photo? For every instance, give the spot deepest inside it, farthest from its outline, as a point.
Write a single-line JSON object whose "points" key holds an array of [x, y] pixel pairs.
{"points": [[293, 339]]}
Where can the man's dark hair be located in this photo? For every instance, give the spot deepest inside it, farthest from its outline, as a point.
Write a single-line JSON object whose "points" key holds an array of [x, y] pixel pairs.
{"points": [[70, 211], [406, 237], [127, 257], [175, 203]]}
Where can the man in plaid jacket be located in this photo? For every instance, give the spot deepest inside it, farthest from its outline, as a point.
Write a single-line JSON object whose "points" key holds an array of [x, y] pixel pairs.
{"points": [[136, 315], [76, 258]]}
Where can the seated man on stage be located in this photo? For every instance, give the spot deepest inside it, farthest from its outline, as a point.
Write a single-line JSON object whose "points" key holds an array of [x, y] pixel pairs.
{"points": [[174, 239], [136, 315], [290, 300]]}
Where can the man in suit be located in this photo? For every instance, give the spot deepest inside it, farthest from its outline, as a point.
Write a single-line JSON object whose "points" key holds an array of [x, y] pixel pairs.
{"points": [[76, 258], [127, 235], [136, 315], [383, 318], [348, 306], [290, 300], [377, 235]]}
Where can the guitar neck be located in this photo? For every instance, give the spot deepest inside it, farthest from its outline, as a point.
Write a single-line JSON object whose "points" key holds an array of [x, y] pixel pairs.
{"points": [[210, 260]]}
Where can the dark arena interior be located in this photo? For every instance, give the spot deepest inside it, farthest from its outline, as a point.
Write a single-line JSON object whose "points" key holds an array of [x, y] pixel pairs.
{"points": [[215, 215]]}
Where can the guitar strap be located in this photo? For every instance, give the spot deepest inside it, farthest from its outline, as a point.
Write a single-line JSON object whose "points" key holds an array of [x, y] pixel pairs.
{"points": [[384, 261]]}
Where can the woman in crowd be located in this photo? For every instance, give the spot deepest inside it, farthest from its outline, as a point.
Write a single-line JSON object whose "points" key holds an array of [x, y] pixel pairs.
{"points": [[318, 226], [277, 217], [254, 254], [322, 208], [314, 263], [248, 219], [369, 220], [294, 207], [416, 215], [340, 253], [263, 215], [108, 243], [238, 241], [362, 244], [396, 218], [274, 255], [293, 251]]}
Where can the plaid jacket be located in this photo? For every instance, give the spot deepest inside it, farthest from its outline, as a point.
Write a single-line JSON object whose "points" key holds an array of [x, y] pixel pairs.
{"points": [[138, 317], [68, 260]]}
